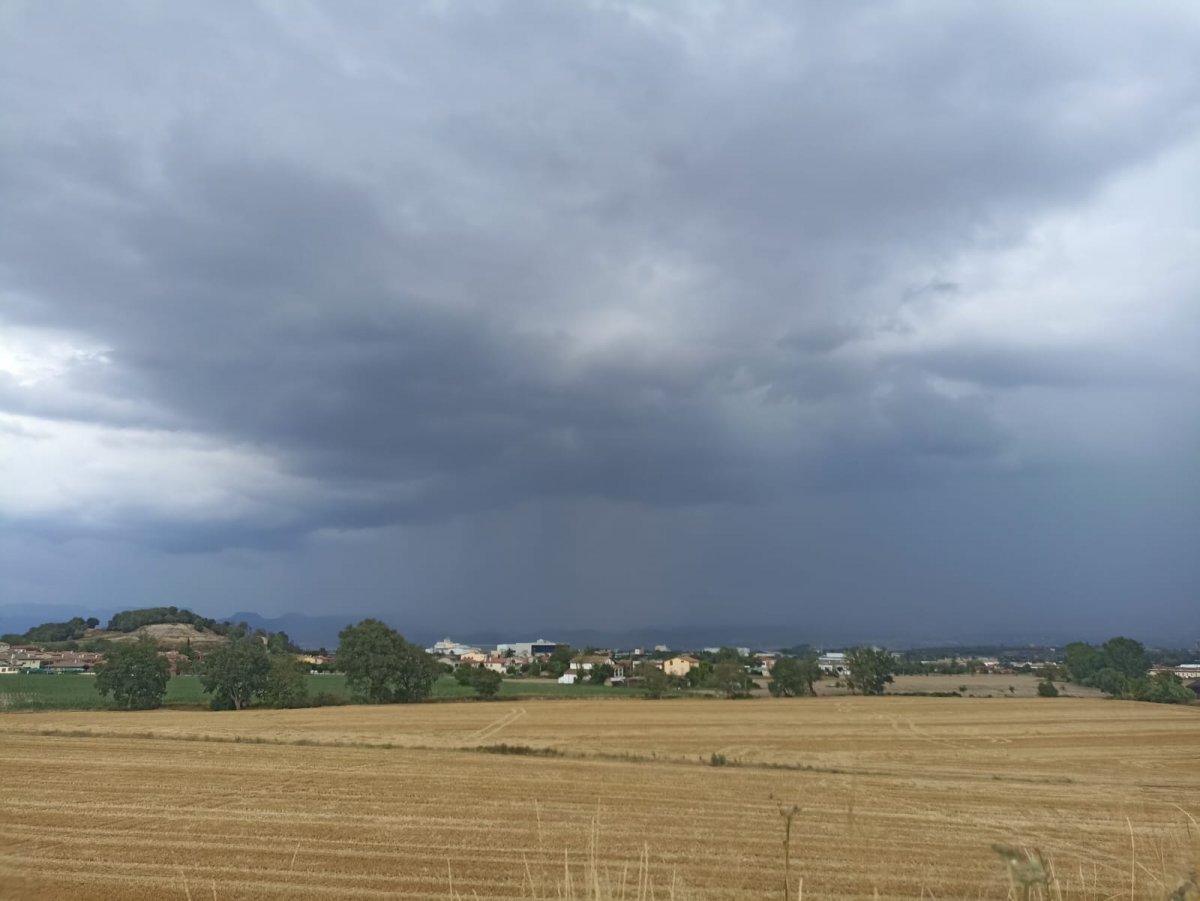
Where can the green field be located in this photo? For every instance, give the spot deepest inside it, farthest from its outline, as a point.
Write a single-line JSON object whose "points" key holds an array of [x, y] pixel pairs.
{"points": [[78, 692]]}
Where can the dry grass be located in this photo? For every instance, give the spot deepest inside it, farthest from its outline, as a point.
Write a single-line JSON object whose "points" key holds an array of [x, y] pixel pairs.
{"points": [[982, 685], [897, 798], [176, 634]]}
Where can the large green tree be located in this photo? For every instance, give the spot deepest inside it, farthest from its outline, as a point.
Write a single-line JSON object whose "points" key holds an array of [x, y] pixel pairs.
{"points": [[699, 675], [71, 630], [600, 674], [280, 643], [1109, 681], [487, 683], [1083, 661], [560, 660], [1163, 688], [655, 683], [1114, 667], [730, 678], [791, 677], [381, 667], [135, 674], [235, 673], [287, 682], [870, 670], [1127, 657]]}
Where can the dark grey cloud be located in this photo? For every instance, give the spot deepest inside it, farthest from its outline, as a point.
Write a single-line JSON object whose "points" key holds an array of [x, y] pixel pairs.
{"points": [[357, 268]]}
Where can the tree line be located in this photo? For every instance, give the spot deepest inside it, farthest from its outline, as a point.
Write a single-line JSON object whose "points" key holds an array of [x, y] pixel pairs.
{"points": [[1121, 669], [49, 633], [72, 634], [380, 666], [235, 674]]}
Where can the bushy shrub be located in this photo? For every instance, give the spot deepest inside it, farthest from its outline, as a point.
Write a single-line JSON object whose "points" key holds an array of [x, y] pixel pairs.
{"points": [[1163, 688]]}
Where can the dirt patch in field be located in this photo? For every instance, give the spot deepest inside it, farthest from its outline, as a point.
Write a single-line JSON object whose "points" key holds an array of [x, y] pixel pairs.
{"points": [[173, 634]]}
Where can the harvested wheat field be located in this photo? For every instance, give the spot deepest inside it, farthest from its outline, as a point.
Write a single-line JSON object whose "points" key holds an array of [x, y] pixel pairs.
{"points": [[898, 798]]}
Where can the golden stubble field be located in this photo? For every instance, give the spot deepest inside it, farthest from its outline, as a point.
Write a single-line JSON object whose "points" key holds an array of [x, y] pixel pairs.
{"points": [[903, 797]]}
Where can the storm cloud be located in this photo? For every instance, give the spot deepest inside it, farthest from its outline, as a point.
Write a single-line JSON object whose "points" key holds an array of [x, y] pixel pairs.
{"points": [[857, 319]]}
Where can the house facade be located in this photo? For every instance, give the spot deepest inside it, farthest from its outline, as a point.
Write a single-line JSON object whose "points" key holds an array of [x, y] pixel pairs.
{"points": [[537, 648], [447, 647], [586, 663], [680, 666], [833, 663]]}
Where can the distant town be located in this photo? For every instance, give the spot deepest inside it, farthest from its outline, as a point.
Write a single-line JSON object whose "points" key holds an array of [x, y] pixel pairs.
{"points": [[184, 640]]}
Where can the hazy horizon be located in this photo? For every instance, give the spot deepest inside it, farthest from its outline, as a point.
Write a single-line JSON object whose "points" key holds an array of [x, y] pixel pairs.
{"points": [[321, 629], [843, 320]]}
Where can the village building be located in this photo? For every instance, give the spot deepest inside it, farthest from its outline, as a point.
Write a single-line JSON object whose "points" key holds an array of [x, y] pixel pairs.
{"points": [[447, 647], [680, 666], [585, 663], [833, 663], [538, 648], [315, 659]]}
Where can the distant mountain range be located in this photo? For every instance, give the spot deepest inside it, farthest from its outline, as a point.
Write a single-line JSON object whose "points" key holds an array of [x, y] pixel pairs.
{"points": [[322, 631]]}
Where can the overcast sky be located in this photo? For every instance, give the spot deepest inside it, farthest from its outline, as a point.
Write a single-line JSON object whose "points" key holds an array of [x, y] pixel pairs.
{"points": [[859, 320]]}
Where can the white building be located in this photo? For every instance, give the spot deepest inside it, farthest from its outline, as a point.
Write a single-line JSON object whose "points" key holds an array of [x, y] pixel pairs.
{"points": [[528, 648], [834, 662], [448, 648], [586, 663]]}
